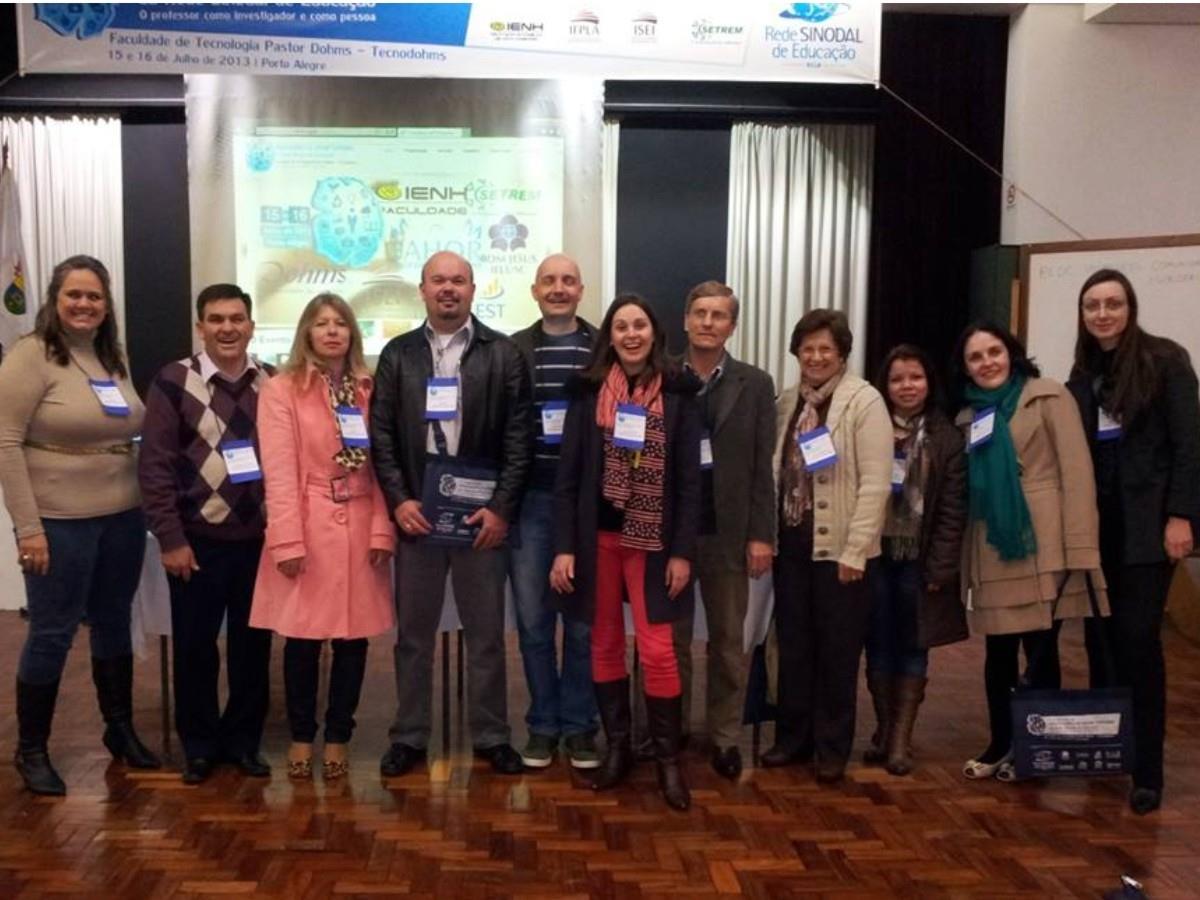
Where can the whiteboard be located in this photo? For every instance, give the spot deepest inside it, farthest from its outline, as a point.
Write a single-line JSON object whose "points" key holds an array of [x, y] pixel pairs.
{"points": [[1165, 272]]}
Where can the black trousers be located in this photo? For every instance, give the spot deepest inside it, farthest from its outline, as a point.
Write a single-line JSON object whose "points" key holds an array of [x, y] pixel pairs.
{"points": [[220, 591], [301, 673], [1002, 671], [821, 625], [1138, 597]]}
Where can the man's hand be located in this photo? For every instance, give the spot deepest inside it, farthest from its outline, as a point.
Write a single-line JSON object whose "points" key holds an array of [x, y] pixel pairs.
{"points": [[33, 553], [180, 563], [848, 574], [679, 573], [493, 529], [411, 521], [759, 557], [1178, 538], [562, 573], [291, 567]]}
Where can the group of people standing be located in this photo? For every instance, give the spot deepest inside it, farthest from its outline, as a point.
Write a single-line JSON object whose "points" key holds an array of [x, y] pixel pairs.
{"points": [[590, 469]]}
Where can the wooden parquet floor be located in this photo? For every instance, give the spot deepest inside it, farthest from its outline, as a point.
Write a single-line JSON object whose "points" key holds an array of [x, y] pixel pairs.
{"points": [[457, 830]]}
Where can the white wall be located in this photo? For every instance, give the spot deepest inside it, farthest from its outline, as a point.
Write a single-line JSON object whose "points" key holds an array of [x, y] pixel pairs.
{"points": [[1102, 125]]}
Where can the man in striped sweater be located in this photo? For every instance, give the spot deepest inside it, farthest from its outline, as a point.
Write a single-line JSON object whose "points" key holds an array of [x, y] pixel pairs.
{"points": [[561, 705]]}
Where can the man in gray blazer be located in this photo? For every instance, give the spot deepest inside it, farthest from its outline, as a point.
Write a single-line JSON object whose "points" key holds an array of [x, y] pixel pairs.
{"points": [[738, 405]]}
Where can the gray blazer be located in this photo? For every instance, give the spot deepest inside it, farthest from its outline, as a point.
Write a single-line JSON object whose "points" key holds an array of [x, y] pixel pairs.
{"points": [[742, 406]]}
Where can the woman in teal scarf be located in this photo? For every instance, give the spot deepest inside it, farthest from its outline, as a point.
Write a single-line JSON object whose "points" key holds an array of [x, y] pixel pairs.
{"points": [[1032, 521]]}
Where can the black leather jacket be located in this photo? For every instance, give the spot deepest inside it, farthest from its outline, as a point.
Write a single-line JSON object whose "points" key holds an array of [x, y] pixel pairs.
{"points": [[496, 423]]}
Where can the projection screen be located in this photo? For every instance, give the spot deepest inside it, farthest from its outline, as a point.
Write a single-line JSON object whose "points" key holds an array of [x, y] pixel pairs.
{"points": [[304, 185]]}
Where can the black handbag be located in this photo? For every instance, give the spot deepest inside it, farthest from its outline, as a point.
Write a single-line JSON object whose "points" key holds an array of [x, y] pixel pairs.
{"points": [[1072, 732]]}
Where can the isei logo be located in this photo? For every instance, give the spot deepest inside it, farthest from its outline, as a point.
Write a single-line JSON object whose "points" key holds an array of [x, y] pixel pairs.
{"points": [[813, 12], [645, 28]]}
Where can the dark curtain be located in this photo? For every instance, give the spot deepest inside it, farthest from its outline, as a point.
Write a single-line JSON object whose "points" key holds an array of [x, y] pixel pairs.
{"points": [[933, 204]]}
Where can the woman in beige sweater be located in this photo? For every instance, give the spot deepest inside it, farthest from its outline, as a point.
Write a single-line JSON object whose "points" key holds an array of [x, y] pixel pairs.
{"points": [[68, 469], [833, 462]]}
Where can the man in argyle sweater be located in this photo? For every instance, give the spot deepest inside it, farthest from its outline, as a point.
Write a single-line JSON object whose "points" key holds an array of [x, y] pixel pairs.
{"points": [[202, 491]]}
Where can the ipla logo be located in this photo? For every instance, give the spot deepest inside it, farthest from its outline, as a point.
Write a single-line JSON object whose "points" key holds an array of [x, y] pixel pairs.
{"points": [[584, 26]]}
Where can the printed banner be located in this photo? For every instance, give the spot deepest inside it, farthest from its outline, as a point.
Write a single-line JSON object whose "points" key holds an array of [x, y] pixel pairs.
{"points": [[357, 211], [710, 41]]}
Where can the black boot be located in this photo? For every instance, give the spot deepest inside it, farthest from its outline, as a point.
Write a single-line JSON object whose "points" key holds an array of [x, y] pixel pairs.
{"points": [[907, 696], [35, 711], [880, 686], [612, 697], [664, 718], [114, 689]]}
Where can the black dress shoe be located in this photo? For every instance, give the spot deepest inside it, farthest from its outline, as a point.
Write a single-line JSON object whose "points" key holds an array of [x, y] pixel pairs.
{"points": [[1143, 800], [197, 770], [783, 755], [727, 763], [503, 759], [400, 760], [831, 771], [251, 765]]}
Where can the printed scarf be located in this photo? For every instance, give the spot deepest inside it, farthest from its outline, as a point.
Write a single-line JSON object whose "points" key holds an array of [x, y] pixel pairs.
{"points": [[632, 480]]}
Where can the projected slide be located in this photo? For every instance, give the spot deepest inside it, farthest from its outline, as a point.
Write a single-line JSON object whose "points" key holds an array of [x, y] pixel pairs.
{"points": [[357, 211]]}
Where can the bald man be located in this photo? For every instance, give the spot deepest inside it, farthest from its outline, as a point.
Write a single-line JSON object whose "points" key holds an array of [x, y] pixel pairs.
{"points": [[562, 706], [451, 405]]}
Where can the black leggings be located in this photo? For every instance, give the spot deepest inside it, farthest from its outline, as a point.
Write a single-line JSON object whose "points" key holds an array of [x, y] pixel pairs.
{"points": [[301, 672], [1001, 674]]}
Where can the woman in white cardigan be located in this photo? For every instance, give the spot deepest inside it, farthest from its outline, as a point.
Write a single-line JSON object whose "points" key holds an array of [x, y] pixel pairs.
{"points": [[833, 464]]}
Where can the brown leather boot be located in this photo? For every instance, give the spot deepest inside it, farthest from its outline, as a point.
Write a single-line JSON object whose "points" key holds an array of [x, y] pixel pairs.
{"points": [[880, 686], [907, 693]]}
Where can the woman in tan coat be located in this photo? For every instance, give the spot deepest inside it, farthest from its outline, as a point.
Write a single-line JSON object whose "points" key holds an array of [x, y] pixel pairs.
{"points": [[833, 464], [1033, 529]]}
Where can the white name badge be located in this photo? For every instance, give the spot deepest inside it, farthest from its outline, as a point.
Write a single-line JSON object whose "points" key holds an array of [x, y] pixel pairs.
{"points": [[554, 417], [240, 461], [816, 447], [899, 472], [441, 398], [982, 427], [110, 397], [629, 431], [1108, 428], [354, 427], [706, 459]]}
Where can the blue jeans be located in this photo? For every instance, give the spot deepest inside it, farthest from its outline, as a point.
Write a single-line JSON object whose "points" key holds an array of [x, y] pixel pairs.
{"points": [[558, 705], [892, 640], [95, 565]]}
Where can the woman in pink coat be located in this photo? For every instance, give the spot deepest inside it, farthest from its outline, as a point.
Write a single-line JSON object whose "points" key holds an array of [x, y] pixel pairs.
{"points": [[324, 573]]}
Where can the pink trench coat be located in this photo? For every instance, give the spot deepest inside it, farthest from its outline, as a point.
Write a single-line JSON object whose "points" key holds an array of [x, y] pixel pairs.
{"points": [[339, 594]]}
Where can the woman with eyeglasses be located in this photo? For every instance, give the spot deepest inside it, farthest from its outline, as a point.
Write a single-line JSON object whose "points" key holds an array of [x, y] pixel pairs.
{"points": [[1137, 394]]}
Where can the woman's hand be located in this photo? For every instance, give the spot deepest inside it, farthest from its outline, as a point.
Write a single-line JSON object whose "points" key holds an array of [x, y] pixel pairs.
{"points": [[679, 573], [292, 567], [33, 553], [848, 574], [562, 573], [379, 557], [1178, 538]]}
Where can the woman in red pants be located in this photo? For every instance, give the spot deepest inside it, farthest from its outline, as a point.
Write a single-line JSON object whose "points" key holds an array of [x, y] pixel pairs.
{"points": [[627, 501]]}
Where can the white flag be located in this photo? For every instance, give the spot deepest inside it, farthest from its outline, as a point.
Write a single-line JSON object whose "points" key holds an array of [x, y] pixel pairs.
{"points": [[16, 306]]}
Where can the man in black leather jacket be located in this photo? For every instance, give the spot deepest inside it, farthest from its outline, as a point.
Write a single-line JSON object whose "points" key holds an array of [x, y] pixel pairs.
{"points": [[487, 426]]}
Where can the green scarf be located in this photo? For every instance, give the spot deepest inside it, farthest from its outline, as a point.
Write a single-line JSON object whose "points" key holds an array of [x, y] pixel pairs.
{"points": [[995, 478]]}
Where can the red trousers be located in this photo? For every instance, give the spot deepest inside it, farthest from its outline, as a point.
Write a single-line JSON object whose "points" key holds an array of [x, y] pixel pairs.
{"points": [[621, 571]]}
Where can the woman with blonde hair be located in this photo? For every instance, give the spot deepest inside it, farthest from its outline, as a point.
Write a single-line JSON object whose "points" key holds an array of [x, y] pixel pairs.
{"points": [[324, 573]]}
